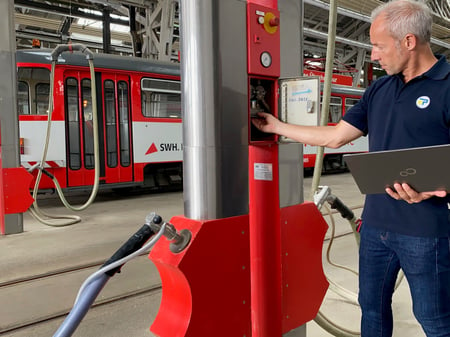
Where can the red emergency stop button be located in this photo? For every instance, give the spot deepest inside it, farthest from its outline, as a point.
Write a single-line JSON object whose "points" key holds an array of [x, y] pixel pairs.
{"points": [[275, 21], [271, 22]]}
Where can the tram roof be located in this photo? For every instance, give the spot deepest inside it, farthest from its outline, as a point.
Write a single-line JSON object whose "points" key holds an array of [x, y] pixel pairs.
{"points": [[108, 61]]}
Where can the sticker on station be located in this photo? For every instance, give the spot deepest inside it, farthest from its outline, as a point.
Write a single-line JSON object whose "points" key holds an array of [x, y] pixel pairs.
{"points": [[263, 171]]}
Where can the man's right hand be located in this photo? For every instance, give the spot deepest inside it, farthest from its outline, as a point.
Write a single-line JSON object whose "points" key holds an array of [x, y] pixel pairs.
{"points": [[266, 122], [408, 194]]}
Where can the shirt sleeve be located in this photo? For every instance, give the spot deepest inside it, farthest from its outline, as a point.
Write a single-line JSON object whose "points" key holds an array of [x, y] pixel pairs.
{"points": [[357, 115]]}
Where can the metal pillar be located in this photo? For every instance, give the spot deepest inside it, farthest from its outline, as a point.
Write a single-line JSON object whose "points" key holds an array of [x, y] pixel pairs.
{"points": [[215, 121], [136, 38], [217, 99], [8, 109], [106, 30]]}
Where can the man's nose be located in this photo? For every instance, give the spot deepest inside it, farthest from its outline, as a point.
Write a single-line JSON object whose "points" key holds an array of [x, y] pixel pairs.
{"points": [[374, 55]]}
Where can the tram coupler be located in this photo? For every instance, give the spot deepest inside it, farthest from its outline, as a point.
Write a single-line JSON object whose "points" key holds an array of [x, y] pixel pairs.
{"points": [[179, 240]]}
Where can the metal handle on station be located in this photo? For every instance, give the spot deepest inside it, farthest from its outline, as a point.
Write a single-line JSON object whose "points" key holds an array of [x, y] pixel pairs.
{"points": [[180, 240]]}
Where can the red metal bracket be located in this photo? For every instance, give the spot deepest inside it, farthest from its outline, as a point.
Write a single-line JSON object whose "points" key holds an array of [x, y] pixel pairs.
{"points": [[206, 287], [15, 193], [303, 230]]}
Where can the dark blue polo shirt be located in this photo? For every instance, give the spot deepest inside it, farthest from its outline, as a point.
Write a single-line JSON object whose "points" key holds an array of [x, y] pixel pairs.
{"points": [[398, 115]]}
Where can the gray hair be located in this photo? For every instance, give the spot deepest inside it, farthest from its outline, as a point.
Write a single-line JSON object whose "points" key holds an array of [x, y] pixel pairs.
{"points": [[406, 17]]}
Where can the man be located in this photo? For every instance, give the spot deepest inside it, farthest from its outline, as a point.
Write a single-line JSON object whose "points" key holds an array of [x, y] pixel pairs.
{"points": [[402, 228]]}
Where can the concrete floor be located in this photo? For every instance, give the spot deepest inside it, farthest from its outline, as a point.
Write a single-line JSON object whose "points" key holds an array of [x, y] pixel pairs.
{"points": [[105, 226]]}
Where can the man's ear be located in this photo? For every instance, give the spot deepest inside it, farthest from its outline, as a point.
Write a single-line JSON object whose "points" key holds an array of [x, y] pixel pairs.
{"points": [[410, 41]]}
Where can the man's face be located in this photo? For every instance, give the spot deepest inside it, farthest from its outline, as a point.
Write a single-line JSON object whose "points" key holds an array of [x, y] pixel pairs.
{"points": [[386, 50]]}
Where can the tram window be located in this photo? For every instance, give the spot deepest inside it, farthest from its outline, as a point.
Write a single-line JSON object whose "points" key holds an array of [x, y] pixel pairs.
{"points": [[110, 123], [349, 102], [42, 91], [161, 98], [73, 128], [122, 97], [23, 98], [38, 80], [88, 127], [335, 109]]}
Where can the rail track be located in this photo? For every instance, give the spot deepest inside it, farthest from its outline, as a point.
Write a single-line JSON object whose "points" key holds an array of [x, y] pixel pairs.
{"points": [[52, 277]]}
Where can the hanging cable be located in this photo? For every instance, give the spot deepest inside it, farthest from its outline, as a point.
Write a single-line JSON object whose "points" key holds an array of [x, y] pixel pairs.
{"points": [[40, 215]]}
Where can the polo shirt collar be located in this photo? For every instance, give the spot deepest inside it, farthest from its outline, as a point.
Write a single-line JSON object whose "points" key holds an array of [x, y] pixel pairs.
{"points": [[439, 70]]}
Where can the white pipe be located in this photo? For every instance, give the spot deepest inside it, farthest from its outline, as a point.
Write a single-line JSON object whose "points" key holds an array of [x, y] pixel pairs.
{"points": [[34, 210]]}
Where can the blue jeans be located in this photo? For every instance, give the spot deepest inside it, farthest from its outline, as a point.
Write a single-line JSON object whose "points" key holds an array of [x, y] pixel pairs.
{"points": [[426, 264]]}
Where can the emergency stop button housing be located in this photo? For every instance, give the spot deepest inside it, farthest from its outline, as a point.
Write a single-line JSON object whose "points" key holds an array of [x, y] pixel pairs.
{"points": [[263, 59], [264, 40]]}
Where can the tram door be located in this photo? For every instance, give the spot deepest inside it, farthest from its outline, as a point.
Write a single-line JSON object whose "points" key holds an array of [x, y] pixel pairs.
{"points": [[117, 163], [114, 128]]}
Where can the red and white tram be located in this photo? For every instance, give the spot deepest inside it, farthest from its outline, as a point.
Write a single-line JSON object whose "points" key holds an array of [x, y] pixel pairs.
{"points": [[139, 118]]}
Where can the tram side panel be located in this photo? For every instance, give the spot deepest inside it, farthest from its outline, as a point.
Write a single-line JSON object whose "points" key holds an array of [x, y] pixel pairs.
{"points": [[157, 131], [33, 90]]}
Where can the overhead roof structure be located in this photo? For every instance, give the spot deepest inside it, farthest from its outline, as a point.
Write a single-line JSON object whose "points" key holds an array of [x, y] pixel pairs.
{"points": [[150, 28], [354, 20], [132, 24]]}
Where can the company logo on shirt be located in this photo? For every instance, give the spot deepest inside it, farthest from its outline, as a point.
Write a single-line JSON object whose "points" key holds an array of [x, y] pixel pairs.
{"points": [[422, 102]]}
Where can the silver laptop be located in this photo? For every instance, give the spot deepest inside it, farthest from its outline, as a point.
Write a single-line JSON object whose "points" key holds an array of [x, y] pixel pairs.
{"points": [[423, 168]]}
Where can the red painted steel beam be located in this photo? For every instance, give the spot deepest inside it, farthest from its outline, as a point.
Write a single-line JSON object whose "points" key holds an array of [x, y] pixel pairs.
{"points": [[265, 241], [2, 194]]}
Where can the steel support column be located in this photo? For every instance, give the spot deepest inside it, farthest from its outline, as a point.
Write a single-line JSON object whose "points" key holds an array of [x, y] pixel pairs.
{"points": [[106, 30], [8, 109]]}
